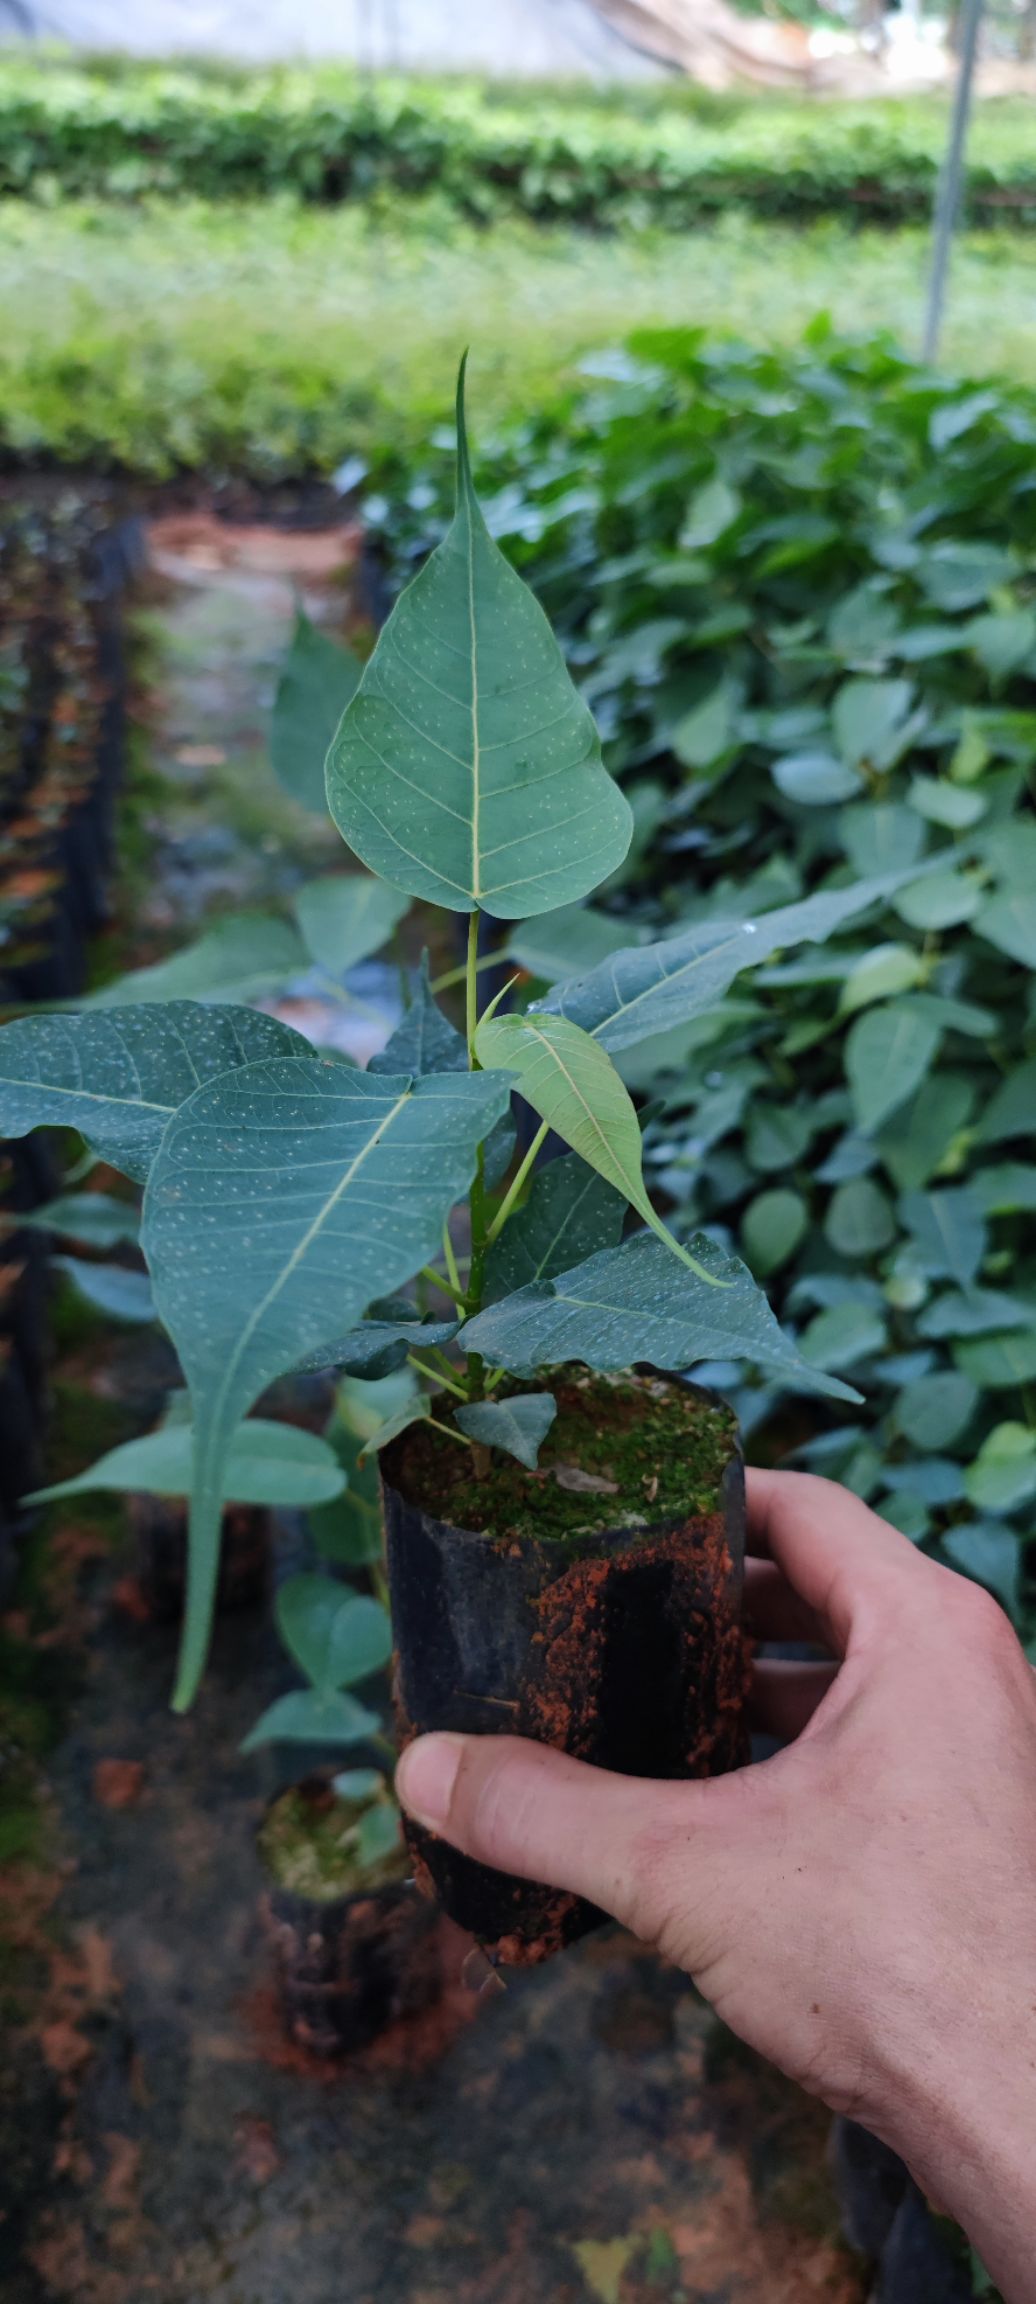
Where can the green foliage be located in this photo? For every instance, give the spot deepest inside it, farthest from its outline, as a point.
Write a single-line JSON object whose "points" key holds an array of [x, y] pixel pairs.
{"points": [[329, 134], [272, 1464], [288, 1193], [467, 769], [318, 679], [269, 339], [139, 1066], [283, 1197], [518, 1426], [844, 546]]}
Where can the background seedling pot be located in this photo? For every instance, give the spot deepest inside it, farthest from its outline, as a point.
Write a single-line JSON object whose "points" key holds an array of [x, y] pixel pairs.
{"points": [[622, 1647], [349, 1966]]}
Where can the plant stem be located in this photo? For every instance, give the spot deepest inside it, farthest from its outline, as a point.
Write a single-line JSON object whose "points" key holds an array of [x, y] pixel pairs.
{"points": [[515, 1187], [451, 1287], [450, 1431], [471, 989], [379, 1584], [451, 1263], [437, 1376], [477, 1198], [457, 975]]}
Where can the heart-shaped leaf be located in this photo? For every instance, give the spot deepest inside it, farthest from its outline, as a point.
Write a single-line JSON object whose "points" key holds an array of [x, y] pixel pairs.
{"points": [[635, 1303], [304, 1717], [267, 1463], [238, 959], [519, 1426], [345, 917], [336, 1637], [284, 1197], [318, 679], [467, 768], [119, 1078]]}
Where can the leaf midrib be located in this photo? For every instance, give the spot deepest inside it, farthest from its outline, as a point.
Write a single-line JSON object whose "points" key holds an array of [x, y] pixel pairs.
{"points": [[300, 1250]]}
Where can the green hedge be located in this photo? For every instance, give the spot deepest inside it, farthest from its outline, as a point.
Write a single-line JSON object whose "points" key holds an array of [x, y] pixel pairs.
{"points": [[800, 595], [328, 135]]}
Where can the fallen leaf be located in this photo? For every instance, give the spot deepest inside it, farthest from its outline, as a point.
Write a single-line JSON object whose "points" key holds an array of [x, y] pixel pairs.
{"points": [[580, 1483], [118, 1783], [603, 2262]]}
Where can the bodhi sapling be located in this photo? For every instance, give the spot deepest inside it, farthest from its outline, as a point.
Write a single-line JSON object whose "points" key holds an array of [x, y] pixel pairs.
{"points": [[563, 1529]]}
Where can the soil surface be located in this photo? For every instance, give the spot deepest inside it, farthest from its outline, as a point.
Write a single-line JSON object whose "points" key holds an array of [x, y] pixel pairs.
{"points": [[619, 1454], [589, 2133]]}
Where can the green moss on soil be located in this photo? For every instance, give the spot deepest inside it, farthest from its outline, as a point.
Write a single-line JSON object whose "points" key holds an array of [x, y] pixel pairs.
{"points": [[309, 1844], [663, 1447]]}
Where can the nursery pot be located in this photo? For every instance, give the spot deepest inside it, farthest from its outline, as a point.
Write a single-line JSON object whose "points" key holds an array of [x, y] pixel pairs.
{"points": [[353, 1952], [159, 1527], [593, 1604]]}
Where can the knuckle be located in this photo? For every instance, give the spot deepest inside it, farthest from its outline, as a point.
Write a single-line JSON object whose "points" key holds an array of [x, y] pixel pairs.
{"points": [[972, 1612]]}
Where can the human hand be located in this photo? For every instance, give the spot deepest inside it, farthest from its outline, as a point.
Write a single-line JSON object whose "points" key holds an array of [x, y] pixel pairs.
{"points": [[860, 1908]]}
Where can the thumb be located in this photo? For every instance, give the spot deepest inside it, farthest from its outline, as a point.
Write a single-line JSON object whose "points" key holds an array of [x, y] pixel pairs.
{"points": [[620, 1841]]}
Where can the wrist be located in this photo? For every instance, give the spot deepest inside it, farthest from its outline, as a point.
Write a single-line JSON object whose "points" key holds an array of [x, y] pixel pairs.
{"points": [[961, 2111]]}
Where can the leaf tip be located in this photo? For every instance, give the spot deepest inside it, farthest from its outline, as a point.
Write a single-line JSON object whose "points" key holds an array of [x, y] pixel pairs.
{"points": [[465, 486]]}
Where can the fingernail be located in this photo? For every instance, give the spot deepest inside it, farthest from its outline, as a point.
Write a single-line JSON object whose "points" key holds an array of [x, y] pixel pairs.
{"points": [[426, 1775]]}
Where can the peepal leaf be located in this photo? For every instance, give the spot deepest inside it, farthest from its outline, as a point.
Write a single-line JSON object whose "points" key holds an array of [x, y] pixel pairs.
{"points": [[380, 1344], [283, 1198], [238, 959], [307, 1717], [570, 1213], [651, 987], [318, 679], [267, 1463], [425, 1040], [467, 768], [570, 1080], [111, 1288], [633, 1303], [335, 1636], [120, 1078], [93, 1219], [887, 1054], [347, 916], [519, 1426]]}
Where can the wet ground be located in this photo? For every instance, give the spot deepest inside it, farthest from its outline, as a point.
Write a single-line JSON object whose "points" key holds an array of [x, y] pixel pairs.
{"points": [[589, 2133]]}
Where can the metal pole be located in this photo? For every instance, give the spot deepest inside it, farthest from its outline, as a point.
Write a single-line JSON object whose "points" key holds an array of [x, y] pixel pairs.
{"points": [[947, 199]]}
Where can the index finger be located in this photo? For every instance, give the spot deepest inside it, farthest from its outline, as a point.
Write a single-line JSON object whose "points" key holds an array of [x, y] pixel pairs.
{"points": [[849, 1566]]}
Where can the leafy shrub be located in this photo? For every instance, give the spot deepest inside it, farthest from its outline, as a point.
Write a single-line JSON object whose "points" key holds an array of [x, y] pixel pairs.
{"points": [[329, 134], [798, 593]]}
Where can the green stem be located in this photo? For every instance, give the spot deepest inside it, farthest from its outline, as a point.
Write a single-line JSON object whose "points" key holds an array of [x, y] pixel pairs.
{"points": [[437, 1376], [451, 1288], [471, 989], [379, 1585], [451, 1263], [458, 975], [515, 1187], [450, 1431], [477, 1198]]}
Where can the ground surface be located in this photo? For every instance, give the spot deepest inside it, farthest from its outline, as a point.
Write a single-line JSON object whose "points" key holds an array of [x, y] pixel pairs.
{"points": [[590, 2133], [277, 337]]}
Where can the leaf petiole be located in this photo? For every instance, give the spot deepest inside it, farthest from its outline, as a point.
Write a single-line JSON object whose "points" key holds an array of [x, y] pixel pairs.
{"points": [[515, 1187]]}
